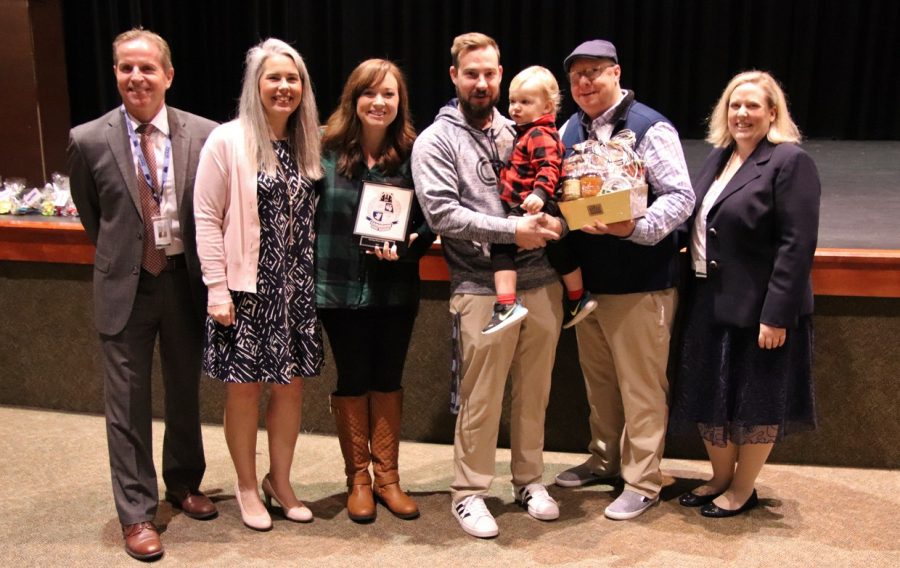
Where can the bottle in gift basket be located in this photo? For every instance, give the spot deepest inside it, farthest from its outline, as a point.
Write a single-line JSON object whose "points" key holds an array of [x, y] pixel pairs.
{"points": [[591, 183], [571, 188]]}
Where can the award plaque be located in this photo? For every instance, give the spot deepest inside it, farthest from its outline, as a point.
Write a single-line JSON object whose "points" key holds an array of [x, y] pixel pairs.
{"points": [[383, 215]]}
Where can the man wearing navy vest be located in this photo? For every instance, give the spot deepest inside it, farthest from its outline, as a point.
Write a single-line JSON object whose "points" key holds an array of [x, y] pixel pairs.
{"points": [[630, 268]]}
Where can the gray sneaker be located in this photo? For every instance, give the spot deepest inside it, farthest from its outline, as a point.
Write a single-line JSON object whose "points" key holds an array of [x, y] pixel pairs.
{"points": [[629, 505], [504, 316], [582, 475]]}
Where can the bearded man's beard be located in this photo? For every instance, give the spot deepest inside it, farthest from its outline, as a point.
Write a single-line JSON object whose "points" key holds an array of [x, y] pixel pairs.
{"points": [[476, 112]]}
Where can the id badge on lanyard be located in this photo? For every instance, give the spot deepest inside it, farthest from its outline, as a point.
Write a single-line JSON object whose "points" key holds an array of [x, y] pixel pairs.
{"points": [[162, 231], [162, 226]]}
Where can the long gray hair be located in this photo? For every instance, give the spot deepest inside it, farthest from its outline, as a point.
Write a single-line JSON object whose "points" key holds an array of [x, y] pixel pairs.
{"points": [[302, 126]]}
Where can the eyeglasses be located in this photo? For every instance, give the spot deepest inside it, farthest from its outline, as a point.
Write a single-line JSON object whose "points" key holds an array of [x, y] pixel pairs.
{"points": [[589, 74]]}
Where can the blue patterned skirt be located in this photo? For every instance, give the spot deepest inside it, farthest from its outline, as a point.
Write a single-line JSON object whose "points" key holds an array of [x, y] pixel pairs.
{"points": [[735, 391]]}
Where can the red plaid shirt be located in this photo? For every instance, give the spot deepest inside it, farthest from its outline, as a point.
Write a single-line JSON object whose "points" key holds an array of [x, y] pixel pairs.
{"points": [[535, 162]]}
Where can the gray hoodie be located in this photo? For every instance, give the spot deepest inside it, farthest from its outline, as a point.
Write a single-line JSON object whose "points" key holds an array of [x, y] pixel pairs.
{"points": [[454, 167]]}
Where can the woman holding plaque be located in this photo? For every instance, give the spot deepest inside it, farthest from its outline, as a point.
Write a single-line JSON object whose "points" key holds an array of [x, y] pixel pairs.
{"points": [[745, 374], [254, 205], [368, 297]]}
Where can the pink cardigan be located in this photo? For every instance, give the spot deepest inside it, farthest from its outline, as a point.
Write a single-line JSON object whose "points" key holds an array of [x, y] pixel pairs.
{"points": [[226, 213]]}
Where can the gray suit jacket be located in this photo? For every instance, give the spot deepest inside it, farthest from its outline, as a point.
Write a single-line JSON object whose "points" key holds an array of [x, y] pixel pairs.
{"points": [[105, 191]]}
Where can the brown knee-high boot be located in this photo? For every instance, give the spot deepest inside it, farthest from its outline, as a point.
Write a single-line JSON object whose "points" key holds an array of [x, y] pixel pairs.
{"points": [[385, 409], [351, 415]]}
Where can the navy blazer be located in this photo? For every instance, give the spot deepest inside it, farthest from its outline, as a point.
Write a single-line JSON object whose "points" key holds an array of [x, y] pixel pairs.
{"points": [[761, 235]]}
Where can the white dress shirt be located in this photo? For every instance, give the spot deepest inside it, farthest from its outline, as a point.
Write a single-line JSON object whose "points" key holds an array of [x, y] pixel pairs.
{"points": [[168, 205]]}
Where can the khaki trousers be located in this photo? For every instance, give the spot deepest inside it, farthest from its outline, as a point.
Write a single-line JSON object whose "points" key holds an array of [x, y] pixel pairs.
{"points": [[623, 346], [525, 353]]}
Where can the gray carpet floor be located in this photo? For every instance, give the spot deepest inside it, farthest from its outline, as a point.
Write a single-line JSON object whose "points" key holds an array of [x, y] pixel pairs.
{"points": [[56, 510]]}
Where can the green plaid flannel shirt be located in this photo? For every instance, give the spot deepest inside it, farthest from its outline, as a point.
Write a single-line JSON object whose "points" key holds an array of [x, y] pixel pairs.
{"points": [[347, 277]]}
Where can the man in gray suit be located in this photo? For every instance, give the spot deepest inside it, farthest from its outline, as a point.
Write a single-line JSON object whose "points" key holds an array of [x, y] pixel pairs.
{"points": [[132, 175]]}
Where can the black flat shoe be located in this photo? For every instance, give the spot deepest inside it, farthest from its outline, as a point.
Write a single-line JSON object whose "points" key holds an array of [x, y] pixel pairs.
{"points": [[714, 511], [691, 499]]}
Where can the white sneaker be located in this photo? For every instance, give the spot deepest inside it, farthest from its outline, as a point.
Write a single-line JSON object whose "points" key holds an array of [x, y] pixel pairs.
{"points": [[474, 517], [539, 503]]}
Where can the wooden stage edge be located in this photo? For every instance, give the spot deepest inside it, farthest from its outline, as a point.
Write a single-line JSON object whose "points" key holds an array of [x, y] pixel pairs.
{"points": [[836, 271]]}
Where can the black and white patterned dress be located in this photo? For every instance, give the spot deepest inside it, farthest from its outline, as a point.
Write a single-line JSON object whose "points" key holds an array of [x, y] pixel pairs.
{"points": [[276, 335]]}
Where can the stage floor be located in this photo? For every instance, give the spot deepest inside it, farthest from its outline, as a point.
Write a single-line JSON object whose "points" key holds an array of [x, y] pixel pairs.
{"points": [[860, 190]]}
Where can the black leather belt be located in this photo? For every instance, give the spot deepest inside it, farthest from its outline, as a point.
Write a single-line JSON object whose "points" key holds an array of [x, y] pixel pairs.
{"points": [[175, 262]]}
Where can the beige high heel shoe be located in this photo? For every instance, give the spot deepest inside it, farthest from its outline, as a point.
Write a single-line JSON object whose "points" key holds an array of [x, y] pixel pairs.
{"points": [[258, 522], [299, 514]]}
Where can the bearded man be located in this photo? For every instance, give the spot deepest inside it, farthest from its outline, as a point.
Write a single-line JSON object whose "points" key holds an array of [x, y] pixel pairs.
{"points": [[455, 163]]}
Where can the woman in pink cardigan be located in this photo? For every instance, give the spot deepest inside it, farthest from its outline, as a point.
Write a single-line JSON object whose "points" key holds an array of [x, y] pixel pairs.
{"points": [[254, 207]]}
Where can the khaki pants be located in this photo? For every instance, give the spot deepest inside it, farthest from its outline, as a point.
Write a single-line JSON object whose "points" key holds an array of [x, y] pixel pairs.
{"points": [[623, 346], [526, 353]]}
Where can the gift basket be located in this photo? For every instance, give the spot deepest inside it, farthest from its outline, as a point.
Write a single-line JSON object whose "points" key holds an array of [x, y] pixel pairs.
{"points": [[603, 182]]}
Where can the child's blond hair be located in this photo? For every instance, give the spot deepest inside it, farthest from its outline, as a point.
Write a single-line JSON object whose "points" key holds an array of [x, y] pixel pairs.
{"points": [[543, 79]]}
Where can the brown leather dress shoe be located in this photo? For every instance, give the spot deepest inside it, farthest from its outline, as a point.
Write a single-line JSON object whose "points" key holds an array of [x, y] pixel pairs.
{"points": [[142, 541], [195, 504]]}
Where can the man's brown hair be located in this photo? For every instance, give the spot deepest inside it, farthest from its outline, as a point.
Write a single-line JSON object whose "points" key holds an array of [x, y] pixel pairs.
{"points": [[465, 43]]}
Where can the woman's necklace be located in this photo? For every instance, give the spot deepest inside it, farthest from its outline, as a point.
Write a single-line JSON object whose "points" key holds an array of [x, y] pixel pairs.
{"points": [[292, 189]]}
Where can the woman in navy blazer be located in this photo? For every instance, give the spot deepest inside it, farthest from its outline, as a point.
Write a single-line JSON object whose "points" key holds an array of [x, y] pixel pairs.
{"points": [[745, 373]]}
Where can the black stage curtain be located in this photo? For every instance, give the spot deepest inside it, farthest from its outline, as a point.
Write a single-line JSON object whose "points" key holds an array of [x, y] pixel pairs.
{"points": [[838, 60]]}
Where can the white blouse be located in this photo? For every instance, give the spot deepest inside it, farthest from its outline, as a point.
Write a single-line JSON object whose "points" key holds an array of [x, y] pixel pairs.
{"points": [[698, 231]]}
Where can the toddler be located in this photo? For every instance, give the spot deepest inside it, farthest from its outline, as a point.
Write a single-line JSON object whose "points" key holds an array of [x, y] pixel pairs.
{"points": [[527, 186]]}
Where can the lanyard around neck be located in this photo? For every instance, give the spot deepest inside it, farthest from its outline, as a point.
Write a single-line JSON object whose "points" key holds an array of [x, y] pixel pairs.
{"points": [[142, 160]]}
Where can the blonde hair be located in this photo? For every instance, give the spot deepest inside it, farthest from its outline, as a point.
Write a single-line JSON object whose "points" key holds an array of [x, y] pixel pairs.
{"points": [[465, 43], [782, 129], [302, 126], [165, 54], [543, 79]]}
